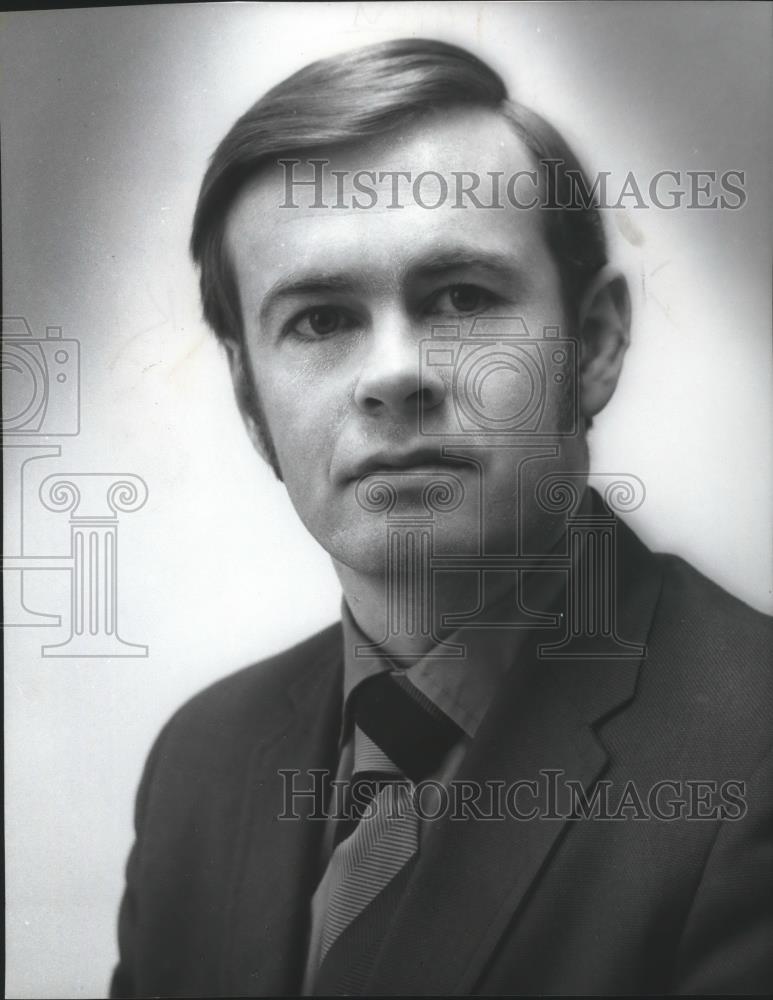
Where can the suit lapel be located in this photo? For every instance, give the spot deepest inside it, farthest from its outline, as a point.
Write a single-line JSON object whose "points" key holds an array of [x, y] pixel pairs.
{"points": [[472, 875], [277, 858]]}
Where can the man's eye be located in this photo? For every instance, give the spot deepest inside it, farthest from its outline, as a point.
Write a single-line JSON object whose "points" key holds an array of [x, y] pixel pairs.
{"points": [[322, 321], [464, 299]]}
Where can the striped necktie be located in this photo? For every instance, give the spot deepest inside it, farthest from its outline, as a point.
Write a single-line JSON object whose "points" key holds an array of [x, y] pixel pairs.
{"points": [[400, 737]]}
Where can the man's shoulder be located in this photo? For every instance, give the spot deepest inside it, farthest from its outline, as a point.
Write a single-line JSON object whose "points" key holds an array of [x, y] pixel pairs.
{"points": [[682, 613], [708, 661], [247, 700], [713, 620]]}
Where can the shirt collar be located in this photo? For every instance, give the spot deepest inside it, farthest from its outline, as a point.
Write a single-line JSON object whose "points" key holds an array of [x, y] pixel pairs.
{"points": [[462, 687]]}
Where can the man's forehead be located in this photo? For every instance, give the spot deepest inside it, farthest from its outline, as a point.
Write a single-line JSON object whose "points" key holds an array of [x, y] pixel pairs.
{"points": [[456, 145], [449, 140], [419, 176]]}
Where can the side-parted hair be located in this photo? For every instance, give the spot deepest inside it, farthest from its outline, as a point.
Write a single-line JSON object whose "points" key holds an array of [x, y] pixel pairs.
{"points": [[351, 97]]}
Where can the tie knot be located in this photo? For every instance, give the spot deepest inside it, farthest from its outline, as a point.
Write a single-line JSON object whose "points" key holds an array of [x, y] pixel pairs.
{"points": [[400, 728]]}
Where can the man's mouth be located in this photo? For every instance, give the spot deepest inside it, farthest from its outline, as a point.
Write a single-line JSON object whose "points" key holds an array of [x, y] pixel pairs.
{"points": [[414, 460]]}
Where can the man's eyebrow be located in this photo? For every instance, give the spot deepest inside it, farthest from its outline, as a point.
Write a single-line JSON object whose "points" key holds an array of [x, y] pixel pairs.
{"points": [[447, 260], [313, 283]]}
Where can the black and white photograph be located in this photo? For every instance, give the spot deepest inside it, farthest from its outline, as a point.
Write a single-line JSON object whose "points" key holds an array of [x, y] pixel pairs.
{"points": [[387, 435]]}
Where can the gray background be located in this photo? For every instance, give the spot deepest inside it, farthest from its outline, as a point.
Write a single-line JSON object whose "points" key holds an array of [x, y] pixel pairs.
{"points": [[108, 118]]}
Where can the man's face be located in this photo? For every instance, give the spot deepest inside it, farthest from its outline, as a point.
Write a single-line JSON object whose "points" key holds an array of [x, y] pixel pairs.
{"points": [[339, 305]]}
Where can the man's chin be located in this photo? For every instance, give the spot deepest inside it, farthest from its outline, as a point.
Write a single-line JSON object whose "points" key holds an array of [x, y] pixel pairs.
{"points": [[368, 544]]}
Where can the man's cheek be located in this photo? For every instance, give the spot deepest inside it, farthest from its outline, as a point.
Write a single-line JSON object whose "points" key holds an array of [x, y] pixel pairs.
{"points": [[302, 447]]}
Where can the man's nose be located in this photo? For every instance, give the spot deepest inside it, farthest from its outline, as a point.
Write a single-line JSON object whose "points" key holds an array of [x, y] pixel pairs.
{"points": [[393, 381]]}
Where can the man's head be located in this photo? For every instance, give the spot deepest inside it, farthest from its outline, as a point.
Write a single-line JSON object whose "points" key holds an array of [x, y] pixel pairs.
{"points": [[325, 308]]}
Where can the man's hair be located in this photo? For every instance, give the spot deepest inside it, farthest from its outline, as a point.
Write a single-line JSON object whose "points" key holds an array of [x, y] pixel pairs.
{"points": [[351, 97]]}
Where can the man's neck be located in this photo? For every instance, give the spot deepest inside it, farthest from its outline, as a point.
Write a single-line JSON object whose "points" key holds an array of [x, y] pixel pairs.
{"points": [[406, 621], [404, 637]]}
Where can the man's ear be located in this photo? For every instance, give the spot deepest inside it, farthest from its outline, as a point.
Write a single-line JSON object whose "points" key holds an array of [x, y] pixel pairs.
{"points": [[604, 329]]}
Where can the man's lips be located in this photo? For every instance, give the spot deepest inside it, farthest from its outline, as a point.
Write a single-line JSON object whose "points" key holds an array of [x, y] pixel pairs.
{"points": [[416, 460]]}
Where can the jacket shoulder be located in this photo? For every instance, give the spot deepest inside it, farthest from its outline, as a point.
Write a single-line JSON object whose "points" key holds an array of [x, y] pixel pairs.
{"points": [[715, 621], [708, 663], [243, 704]]}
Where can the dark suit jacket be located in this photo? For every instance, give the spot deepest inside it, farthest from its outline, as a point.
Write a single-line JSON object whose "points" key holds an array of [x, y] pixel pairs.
{"points": [[217, 894]]}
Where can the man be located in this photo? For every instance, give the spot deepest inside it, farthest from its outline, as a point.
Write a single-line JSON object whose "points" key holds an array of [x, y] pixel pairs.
{"points": [[533, 758]]}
